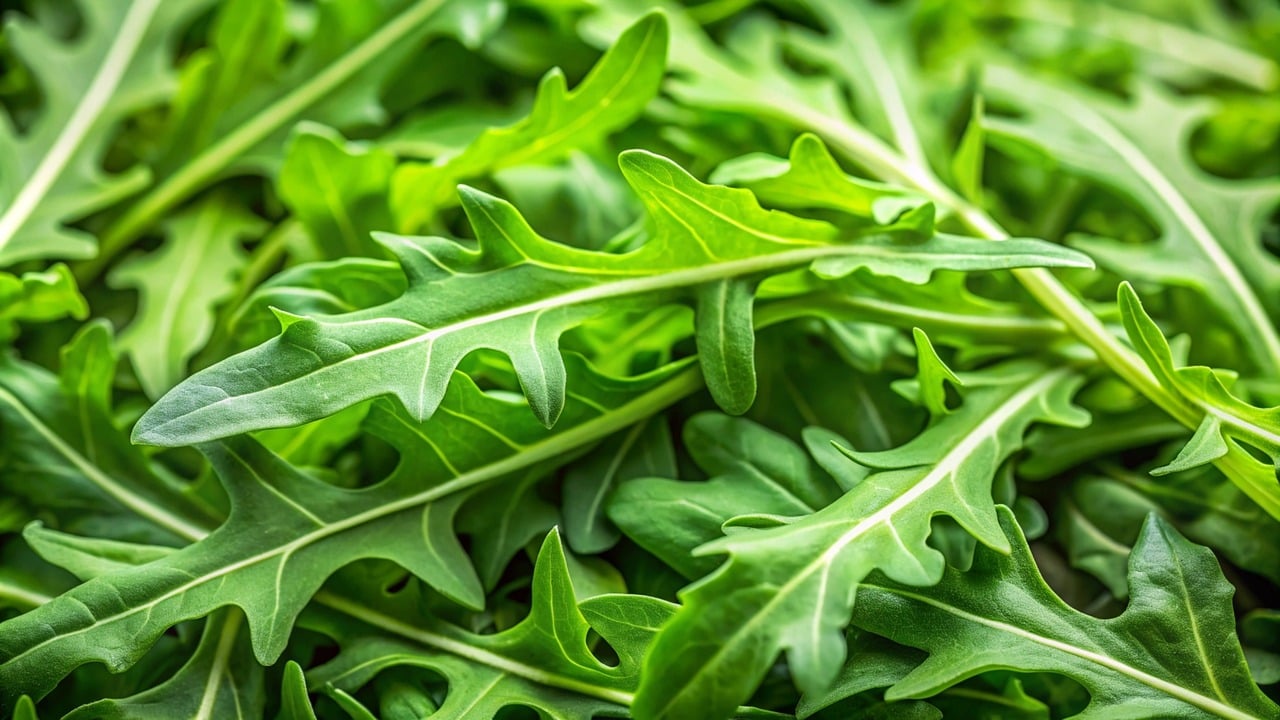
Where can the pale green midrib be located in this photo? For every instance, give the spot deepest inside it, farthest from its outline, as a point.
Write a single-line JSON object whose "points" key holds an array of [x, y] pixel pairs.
{"points": [[868, 47], [1238, 423], [955, 456], [1194, 622], [1233, 281], [226, 641], [908, 315], [1173, 690], [684, 383], [102, 87], [136, 503], [178, 288], [215, 158], [20, 594], [631, 286], [470, 652], [1094, 531]]}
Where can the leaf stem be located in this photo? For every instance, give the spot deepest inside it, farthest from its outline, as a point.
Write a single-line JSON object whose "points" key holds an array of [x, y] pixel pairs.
{"points": [[21, 595]]}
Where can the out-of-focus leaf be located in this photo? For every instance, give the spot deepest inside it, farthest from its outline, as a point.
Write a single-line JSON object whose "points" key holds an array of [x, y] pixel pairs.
{"points": [[180, 286], [338, 190], [38, 297], [53, 173], [610, 97]]}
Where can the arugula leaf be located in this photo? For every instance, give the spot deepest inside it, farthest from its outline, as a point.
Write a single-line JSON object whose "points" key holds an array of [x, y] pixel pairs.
{"points": [[363, 436], [1226, 417], [610, 97], [707, 241], [1209, 227], [221, 679], [337, 190], [179, 286], [54, 174], [38, 297], [62, 449], [225, 125], [316, 528], [789, 582], [560, 679], [1002, 614]]}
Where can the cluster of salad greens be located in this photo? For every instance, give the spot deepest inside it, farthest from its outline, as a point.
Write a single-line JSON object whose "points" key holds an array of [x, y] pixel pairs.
{"points": [[607, 358]]}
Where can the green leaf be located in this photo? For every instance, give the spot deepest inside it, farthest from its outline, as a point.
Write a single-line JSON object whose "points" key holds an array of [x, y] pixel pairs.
{"points": [[645, 450], [53, 175], [38, 297], [88, 558], [789, 585], [1209, 227], [245, 91], [316, 529], [1001, 613], [1226, 416], [180, 285], [338, 190], [25, 709], [754, 470], [966, 165], [407, 348], [874, 663], [62, 450], [295, 704], [609, 98], [811, 178], [544, 662], [220, 680], [314, 289], [932, 374], [726, 343]]}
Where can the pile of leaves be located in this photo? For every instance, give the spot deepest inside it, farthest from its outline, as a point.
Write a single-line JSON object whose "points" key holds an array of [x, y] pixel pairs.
{"points": [[604, 358]]}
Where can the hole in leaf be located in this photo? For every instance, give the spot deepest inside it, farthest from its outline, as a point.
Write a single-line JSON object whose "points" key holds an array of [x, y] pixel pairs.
{"points": [[517, 712], [1269, 236], [603, 651]]}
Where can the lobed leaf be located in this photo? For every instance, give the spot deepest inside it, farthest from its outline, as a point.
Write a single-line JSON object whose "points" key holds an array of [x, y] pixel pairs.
{"points": [[1172, 653], [701, 236], [288, 532], [53, 174], [610, 97], [788, 584]]}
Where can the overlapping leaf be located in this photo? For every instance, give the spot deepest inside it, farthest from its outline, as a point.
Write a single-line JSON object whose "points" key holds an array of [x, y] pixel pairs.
{"points": [[338, 190], [1173, 652], [709, 245], [53, 173], [788, 584], [287, 532], [60, 448], [1209, 227], [180, 285], [544, 662], [254, 82], [610, 97], [1227, 418]]}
